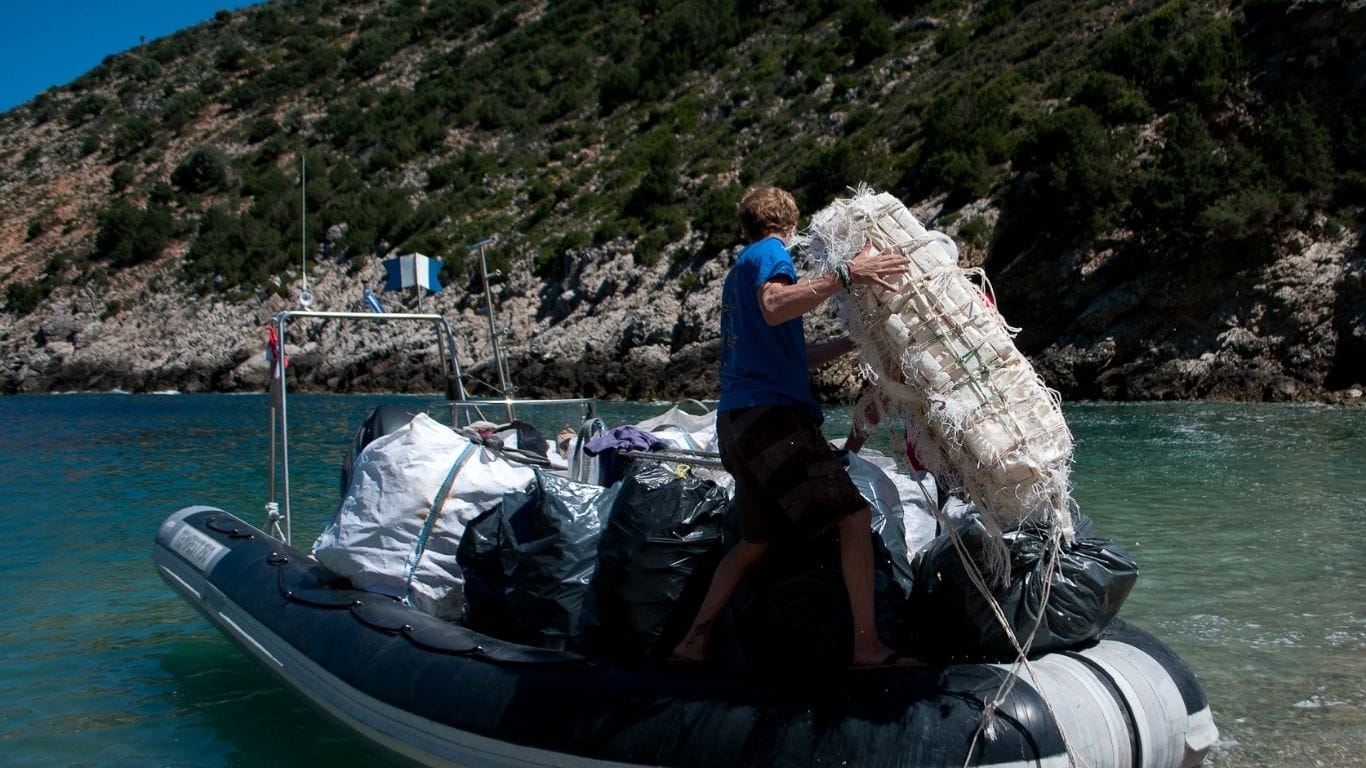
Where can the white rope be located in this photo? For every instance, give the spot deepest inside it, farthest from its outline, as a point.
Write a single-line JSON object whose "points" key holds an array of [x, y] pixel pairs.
{"points": [[1052, 552], [941, 354], [938, 349]]}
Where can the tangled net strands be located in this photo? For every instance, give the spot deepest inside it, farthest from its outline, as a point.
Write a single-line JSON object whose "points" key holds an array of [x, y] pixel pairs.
{"points": [[977, 413], [942, 357]]}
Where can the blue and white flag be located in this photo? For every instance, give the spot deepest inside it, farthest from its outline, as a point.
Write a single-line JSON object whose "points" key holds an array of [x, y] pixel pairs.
{"points": [[371, 302], [412, 270]]}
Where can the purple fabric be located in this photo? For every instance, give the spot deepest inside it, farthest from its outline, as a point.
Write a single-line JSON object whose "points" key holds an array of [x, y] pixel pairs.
{"points": [[625, 438]]}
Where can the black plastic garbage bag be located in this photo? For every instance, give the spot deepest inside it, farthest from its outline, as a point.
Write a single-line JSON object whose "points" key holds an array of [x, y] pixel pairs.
{"points": [[791, 612], [1092, 578], [888, 515], [527, 563], [659, 548]]}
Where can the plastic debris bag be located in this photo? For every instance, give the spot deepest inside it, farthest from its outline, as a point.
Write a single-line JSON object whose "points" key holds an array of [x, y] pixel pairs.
{"points": [[528, 561], [661, 544], [410, 495], [1089, 582]]}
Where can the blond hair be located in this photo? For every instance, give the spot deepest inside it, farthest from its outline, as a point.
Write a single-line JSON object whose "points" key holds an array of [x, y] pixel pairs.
{"points": [[766, 211]]}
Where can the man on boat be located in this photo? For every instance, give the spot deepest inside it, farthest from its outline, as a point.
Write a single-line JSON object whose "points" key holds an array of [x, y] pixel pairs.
{"points": [[789, 485]]}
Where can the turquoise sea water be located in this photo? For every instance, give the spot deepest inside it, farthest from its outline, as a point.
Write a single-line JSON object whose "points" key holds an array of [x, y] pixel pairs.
{"points": [[1245, 519]]}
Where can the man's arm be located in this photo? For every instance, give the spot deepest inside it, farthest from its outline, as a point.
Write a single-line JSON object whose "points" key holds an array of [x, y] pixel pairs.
{"points": [[820, 353], [781, 300]]}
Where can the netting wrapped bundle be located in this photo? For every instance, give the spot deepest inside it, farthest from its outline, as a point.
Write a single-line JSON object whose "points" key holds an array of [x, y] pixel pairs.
{"points": [[944, 358]]}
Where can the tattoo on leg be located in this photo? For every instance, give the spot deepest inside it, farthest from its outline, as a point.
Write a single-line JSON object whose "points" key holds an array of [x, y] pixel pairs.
{"points": [[702, 629]]}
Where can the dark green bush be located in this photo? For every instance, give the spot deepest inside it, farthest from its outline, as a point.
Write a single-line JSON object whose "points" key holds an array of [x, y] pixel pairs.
{"points": [[866, 30], [232, 57], [716, 218], [23, 298], [261, 128], [1071, 185], [182, 108], [87, 108], [204, 169], [121, 177], [1298, 151], [130, 235], [1113, 98], [1190, 173], [132, 135], [1181, 51]]}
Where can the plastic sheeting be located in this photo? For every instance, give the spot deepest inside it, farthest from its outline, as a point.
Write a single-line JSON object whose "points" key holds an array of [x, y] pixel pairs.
{"points": [[1091, 579], [528, 561], [386, 536], [660, 546]]}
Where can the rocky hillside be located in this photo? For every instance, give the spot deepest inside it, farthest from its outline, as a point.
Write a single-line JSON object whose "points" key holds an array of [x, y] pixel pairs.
{"points": [[1167, 197]]}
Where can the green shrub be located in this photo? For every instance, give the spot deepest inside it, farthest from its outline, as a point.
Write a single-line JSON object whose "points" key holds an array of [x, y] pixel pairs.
{"points": [[262, 128], [128, 235], [1190, 172], [1179, 51], [204, 169], [232, 57], [368, 52], [31, 157], [37, 226], [952, 38], [132, 135], [1242, 217], [1113, 98], [182, 108], [1071, 178], [23, 298], [831, 171], [716, 218], [963, 175], [87, 108], [866, 30], [121, 177], [1298, 151]]}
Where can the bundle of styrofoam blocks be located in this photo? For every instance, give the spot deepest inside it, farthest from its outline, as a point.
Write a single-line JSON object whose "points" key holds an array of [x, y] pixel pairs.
{"points": [[943, 357]]}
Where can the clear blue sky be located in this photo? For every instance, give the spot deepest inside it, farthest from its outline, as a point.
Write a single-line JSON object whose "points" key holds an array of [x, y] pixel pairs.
{"points": [[52, 42]]}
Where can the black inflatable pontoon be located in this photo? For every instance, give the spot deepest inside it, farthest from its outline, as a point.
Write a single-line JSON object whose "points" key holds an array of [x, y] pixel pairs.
{"points": [[441, 694]]}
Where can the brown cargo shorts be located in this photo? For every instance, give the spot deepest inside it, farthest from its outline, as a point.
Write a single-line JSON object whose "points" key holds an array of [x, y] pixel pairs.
{"points": [[788, 482]]}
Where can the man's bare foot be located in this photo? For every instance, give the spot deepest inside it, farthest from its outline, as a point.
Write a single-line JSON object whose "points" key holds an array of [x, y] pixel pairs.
{"points": [[883, 656], [693, 646]]}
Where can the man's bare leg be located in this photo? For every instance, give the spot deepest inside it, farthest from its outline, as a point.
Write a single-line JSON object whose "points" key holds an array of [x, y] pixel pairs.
{"points": [[856, 562], [733, 567]]}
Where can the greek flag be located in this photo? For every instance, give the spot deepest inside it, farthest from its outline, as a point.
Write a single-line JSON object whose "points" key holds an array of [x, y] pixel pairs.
{"points": [[371, 302], [411, 270]]}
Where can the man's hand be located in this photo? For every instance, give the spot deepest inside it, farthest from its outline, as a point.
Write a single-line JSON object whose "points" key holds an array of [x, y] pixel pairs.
{"points": [[872, 267]]}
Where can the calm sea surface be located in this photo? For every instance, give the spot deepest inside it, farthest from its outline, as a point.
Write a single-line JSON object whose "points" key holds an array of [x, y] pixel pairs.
{"points": [[1247, 522]]}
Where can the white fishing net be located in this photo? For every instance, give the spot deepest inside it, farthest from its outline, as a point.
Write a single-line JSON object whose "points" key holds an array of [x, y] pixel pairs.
{"points": [[943, 358]]}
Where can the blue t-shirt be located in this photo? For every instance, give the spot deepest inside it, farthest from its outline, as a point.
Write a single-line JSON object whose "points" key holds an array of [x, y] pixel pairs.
{"points": [[761, 364]]}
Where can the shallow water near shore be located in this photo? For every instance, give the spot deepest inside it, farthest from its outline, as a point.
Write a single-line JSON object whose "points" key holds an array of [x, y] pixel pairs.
{"points": [[1246, 521]]}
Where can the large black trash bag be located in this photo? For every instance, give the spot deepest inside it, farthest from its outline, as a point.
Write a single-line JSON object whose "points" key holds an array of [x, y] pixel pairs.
{"points": [[791, 612], [884, 501], [658, 550], [1092, 578], [528, 561]]}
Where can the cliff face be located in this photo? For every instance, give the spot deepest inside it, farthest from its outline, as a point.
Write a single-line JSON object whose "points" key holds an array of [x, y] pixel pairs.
{"points": [[611, 215], [1290, 329]]}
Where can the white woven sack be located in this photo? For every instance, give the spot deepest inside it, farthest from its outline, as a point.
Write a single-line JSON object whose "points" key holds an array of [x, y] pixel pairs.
{"points": [[944, 358], [384, 537]]}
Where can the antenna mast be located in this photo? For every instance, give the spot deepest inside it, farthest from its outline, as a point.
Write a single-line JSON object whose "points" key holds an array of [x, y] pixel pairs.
{"points": [[305, 296]]}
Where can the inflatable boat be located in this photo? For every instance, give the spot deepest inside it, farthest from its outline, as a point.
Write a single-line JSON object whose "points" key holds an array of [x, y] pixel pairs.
{"points": [[439, 692]]}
